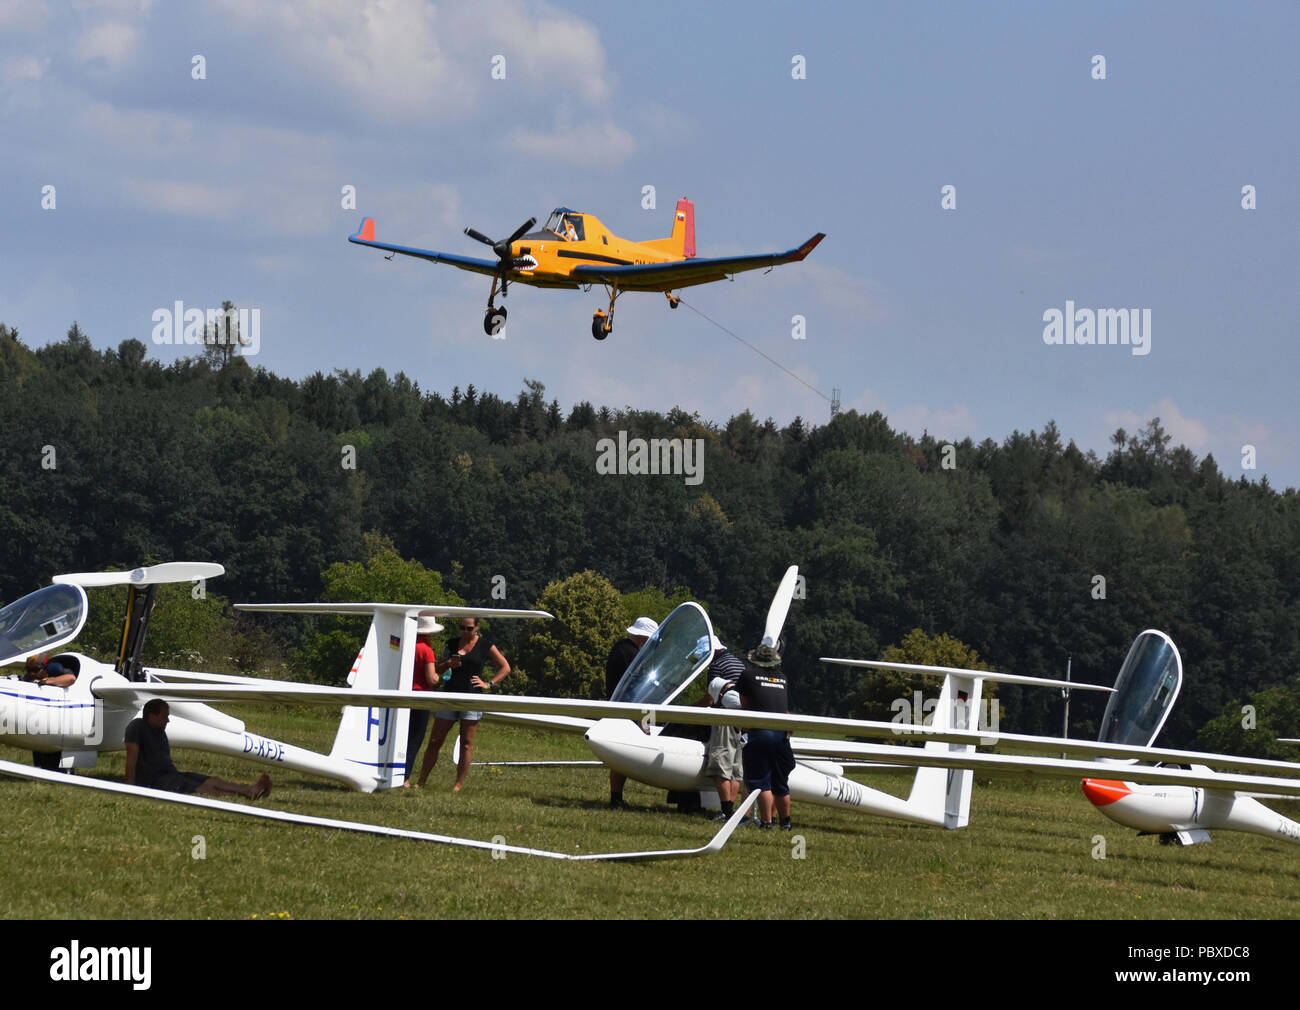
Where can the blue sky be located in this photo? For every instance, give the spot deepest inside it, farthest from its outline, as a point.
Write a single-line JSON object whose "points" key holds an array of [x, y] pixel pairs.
{"points": [[1117, 193]]}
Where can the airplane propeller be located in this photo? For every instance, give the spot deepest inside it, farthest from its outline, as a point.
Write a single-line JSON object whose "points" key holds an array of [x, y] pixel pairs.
{"points": [[780, 607], [502, 249]]}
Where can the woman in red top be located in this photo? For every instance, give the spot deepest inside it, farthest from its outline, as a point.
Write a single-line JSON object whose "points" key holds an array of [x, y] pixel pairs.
{"points": [[423, 678]]}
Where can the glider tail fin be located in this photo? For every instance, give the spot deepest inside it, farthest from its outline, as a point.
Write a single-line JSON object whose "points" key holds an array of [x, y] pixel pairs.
{"points": [[376, 738], [682, 241], [946, 792]]}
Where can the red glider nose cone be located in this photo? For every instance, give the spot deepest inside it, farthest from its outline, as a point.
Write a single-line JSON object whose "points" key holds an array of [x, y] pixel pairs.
{"points": [[1103, 791]]}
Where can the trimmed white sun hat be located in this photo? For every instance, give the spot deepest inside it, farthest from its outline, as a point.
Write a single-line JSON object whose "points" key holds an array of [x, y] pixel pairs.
{"points": [[643, 626]]}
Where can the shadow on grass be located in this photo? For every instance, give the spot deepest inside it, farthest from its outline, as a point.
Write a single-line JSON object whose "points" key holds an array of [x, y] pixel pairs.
{"points": [[575, 803]]}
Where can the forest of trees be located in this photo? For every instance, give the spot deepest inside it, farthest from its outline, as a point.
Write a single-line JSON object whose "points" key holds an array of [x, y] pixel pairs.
{"points": [[111, 459]]}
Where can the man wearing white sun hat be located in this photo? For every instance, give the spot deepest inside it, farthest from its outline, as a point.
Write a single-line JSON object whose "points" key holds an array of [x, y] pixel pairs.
{"points": [[620, 658]]}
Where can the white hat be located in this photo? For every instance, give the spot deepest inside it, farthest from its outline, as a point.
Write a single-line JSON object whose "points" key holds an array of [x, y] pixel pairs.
{"points": [[729, 700], [716, 642], [643, 626], [427, 626]]}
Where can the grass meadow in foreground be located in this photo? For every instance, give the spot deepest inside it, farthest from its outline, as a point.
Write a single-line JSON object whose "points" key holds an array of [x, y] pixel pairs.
{"points": [[1028, 852]]}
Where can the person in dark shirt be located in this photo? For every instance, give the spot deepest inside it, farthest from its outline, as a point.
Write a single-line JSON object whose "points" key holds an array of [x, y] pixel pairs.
{"points": [[724, 761], [48, 673], [620, 658], [768, 757], [461, 668], [43, 672], [149, 760]]}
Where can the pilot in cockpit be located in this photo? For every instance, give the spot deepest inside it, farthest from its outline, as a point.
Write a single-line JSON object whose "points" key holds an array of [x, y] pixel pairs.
{"points": [[41, 670], [562, 227]]}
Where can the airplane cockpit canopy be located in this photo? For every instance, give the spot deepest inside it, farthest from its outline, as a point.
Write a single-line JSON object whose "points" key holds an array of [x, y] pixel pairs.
{"points": [[670, 659], [566, 225], [41, 621], [1145, 689]]}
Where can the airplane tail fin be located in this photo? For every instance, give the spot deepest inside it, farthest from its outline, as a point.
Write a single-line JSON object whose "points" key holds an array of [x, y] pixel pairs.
{"points": [[947, 791], [682, 241], [376, 738], [942, 795]]}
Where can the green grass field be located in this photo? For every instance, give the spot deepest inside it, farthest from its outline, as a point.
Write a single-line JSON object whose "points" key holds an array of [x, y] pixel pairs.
{"points": [[1027, 854]]}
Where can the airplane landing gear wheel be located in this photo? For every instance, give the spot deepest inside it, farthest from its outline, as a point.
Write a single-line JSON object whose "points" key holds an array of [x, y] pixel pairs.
{"points": [[600, 325], [494, 321]]}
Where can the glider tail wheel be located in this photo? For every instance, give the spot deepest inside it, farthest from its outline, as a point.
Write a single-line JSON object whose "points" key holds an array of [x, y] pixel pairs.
{"points": [[673, 300]]}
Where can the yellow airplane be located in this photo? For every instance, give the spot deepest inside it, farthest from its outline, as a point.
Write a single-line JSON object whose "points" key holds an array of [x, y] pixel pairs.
{"points": [[574, 250]]}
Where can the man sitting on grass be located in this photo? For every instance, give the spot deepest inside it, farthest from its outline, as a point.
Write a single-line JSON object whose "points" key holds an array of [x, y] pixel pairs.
{"points": [[149, 760]]}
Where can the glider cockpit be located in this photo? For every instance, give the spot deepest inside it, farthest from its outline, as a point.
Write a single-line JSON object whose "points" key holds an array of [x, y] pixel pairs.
{"points": [[41, 621], [1145, 690], [670, 659]]}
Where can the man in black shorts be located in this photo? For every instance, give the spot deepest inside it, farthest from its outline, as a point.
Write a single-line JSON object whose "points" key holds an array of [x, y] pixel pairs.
{"points": [[149, 760], [768, 757]]}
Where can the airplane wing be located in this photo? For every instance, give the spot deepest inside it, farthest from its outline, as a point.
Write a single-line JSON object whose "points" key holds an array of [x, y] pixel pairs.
{"points": [[366, 236], [1260, 786], [1004, 678], [264, 813], [400, 609], [560, 723], [519, 704], [684, 273]]}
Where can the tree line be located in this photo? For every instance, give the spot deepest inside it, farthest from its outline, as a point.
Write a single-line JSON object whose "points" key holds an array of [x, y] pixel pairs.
{"points": [[1027, 551]]}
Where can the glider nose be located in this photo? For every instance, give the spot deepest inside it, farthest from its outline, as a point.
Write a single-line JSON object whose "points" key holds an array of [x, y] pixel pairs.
{"points": [[1101, 792], [613, 747]]}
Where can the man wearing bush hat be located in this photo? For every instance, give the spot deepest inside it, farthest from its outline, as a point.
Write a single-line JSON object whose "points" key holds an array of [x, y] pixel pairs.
{"points": [[768, 757]]}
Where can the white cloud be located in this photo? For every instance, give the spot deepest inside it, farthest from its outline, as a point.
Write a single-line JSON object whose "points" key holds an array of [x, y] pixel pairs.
{"points": [[1184, 430], [110, 43], [916, 418], [135, 130], [277, 264], [852, 299], [26, 68], [414, 61], [189, 199], [118, 7], [428, 216], [1224, 437], [955, 421], [23, 15], [590, 143]]}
